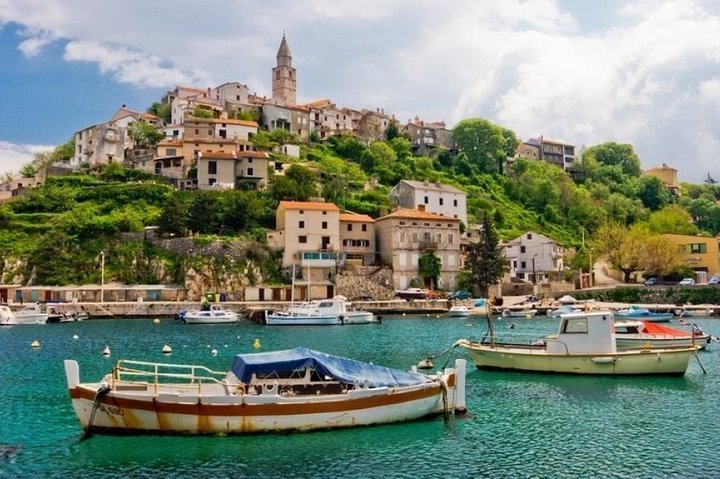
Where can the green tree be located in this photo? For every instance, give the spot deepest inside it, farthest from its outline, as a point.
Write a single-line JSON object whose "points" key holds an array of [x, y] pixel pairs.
{"points": [[672, 220], [144, 134], [161, 110], [660, 256], [653, 193], [623, 248], [612, 154], [486, 145], [200, 112], [298, 184], [429, 268], [173, 219], [485, 261], [392, 131]]}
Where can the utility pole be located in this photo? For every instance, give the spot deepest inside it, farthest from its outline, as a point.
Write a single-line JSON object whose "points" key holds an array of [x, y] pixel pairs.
{"points": [[102, 276]]}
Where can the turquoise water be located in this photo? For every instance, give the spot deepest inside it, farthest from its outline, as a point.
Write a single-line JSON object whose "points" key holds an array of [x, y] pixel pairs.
{"points": [[519, 425]]}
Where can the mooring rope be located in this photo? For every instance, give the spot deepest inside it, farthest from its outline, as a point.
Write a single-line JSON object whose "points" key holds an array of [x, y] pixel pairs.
{"points": [[103, 390]]}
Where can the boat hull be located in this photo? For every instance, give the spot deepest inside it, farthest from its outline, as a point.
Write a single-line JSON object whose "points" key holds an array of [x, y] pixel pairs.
{"points": [[40, 318], [210, 320], [536, 359], [652, 317], [645, 341], [354, 317]]}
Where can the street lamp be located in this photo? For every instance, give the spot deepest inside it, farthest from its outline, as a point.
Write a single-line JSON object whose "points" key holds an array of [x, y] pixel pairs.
{"points": [[102, 276]]}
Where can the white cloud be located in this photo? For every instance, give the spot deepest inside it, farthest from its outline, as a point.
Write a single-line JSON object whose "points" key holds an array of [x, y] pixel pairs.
{"points": [[129, 66], [13, 156]]}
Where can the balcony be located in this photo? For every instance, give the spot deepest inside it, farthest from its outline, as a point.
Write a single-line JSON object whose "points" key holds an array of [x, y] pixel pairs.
{"points": [[319, 259]]}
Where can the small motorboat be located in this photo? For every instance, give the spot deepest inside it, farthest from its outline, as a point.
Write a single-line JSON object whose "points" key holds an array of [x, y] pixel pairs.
{"points": [[565, 309], [7, 317], [31, 314], [460, 311], [519, 313], [646, 334], [685, 312], [292, 390], [215, 314], [644, 314], [320, 313]]}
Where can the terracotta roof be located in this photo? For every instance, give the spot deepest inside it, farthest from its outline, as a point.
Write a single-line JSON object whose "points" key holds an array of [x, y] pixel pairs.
{"points": [[356, 218], [308, 205], [230, 121], [426, 185], [417, 214], [251, 154], [660, 168], [218, 155], [170, 143]]}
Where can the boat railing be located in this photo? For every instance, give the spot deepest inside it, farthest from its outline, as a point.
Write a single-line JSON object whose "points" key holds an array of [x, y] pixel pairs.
{"points": [[166, 374]]}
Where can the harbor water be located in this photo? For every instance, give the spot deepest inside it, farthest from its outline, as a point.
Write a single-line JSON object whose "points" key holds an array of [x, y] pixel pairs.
{"points": [[518, 425]]}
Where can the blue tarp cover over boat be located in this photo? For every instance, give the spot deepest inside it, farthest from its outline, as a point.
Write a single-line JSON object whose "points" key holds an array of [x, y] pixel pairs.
{"points": [[347, 371]]}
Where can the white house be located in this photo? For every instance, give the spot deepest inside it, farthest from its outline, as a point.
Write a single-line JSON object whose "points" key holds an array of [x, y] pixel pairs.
{"points": [[445, 200], [534, 257]]}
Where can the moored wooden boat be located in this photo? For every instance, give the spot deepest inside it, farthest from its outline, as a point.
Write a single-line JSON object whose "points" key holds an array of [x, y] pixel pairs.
{"points": [[460, 311], [320, 313], [215, 314], [646, 334], [585, 344], [297, 389], [519, 313]]}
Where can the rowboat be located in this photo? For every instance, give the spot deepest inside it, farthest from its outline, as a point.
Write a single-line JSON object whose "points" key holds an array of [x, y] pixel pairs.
{"points": [[584, 344], [292, 390], [460, 311]]}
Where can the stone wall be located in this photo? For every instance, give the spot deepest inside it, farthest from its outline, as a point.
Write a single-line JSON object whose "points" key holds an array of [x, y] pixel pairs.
{"points": [[373, 282]]}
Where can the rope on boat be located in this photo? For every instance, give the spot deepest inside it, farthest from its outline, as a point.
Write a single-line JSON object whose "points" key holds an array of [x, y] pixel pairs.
{"points": [[446, 409], [103, 390], [701, 365]]}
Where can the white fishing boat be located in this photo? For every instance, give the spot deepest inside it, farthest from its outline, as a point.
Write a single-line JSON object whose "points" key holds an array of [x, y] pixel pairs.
{"points": [[321, 313], [7, 317], [646, 334], [31, 314], [584, 344], [215, 314], [292, 390], [460, 311]]}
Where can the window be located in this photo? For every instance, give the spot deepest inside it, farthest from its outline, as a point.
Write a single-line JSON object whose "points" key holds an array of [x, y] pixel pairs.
{"points": [[454, 202], [211, 181], [427, 237], [364, 227], [522, 265], [302, 239], [171, 152], [302, 212], [324, 212], [349, 227], [522, 249], [209, 131], [415, 237], [441, 201], [197, 131], [212, 167], [575, 325], [301, 224], [249, 171], [697, 248], [529, 236], [324, 225], [402, 237], [426, 200], [450, 239]]}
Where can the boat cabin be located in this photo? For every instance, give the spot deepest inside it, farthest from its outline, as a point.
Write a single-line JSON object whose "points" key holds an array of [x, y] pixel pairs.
{"points": [[584, 333]]}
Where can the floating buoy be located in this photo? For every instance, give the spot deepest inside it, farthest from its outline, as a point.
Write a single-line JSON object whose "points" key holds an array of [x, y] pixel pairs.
{"points": [[166, 349], [35, 344], [425, 364], [214, 352], [76, 337], [437, 315], [106, 351], [256, 343], [226, 345], [156, 321], [403, 314]]}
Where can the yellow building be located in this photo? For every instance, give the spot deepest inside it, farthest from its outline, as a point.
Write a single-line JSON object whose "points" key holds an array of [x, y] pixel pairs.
{"points": [[701, 253]]}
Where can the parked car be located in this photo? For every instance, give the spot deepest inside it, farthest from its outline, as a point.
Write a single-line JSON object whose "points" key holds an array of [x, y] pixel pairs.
{"points": [[410, 294], [430, 294], [715, 279], [687, 282], [652, 281], [460, 294]]}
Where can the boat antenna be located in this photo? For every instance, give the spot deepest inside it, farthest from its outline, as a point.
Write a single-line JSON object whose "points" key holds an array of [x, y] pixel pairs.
{"points": [[488, 316]]}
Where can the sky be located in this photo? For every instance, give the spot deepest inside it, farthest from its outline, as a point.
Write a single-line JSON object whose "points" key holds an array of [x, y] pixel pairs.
{"points": [[643, 72]]}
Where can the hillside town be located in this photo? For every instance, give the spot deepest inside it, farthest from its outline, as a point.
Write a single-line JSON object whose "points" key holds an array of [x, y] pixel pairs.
{"points": [[207, 144]]}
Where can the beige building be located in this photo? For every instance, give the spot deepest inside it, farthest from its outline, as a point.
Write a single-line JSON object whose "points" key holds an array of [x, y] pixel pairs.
{"points": [[328, 120], [373, 124], [294, 119], [445, 200], [223, 170], [669, 177], [357, 237], [405, 235]]}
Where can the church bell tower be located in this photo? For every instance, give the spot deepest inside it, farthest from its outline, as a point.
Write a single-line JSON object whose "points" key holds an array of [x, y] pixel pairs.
{"points": [[284, 80]]}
